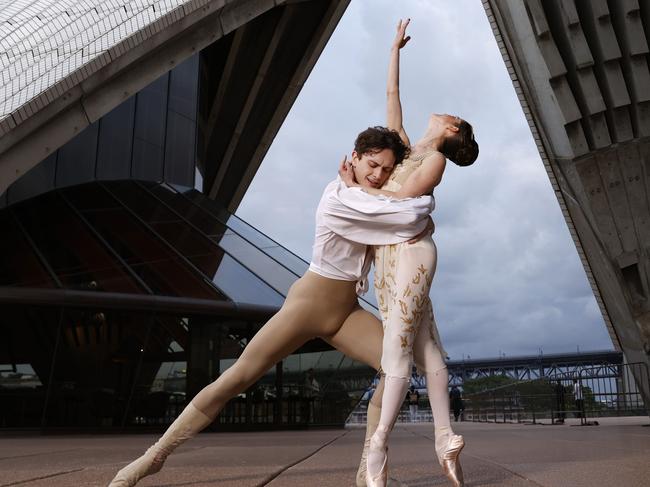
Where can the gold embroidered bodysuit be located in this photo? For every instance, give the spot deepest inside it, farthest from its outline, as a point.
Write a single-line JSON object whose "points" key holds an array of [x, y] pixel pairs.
{"points": [[403, 275]]}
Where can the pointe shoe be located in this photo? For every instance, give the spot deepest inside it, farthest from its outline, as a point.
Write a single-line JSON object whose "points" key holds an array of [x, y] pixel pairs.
{"points": [[450, 462], [363, 465], [363, 468], [380, 479], [187, 425], [147, 464]]}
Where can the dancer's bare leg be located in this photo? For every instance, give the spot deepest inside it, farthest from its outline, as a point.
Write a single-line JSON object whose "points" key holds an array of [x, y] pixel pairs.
{"points": [[315, 306], [280, 336], [359, 337]]}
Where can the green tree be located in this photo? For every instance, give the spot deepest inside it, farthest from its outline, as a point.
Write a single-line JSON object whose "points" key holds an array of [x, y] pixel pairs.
{"points": [[474, 386]]}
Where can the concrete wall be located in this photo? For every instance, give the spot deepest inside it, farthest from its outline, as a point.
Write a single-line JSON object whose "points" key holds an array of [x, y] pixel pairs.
{"points": [[580, 70]]}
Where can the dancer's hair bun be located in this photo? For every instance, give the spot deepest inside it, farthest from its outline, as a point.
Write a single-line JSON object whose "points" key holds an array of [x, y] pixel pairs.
{"points": [[461, 148]]}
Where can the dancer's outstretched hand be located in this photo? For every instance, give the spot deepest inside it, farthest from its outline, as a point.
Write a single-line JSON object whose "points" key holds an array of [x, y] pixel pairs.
{"points": [[424, 233], [401, 38], [346, 173]]}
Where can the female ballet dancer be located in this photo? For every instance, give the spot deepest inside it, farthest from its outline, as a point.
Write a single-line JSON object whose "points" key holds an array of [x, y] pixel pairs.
{"points": [[403, 275], [322, 303]]}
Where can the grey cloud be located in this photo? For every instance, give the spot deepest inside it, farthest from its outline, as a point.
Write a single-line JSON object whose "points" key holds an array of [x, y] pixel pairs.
{"points": [[508, 276]]}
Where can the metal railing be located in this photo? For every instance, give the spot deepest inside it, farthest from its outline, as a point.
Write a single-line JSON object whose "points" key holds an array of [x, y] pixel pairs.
{"points": [[594, 392]]}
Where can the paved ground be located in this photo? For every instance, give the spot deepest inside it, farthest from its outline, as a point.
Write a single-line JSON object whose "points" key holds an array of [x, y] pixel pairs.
{"points": [[616, 453]]}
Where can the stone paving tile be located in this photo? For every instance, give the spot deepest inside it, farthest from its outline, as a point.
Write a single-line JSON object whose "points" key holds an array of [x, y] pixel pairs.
{"points": [[616, 453]]}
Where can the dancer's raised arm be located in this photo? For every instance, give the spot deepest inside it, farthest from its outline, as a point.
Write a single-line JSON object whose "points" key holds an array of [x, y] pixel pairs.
{"points": [[393, 103]]}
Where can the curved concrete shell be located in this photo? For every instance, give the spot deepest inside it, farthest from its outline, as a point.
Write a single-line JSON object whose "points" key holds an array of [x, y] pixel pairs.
{"points": [[65, 64], [580, 70]]}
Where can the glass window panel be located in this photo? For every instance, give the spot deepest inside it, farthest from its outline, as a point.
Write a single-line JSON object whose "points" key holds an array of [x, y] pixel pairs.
{"points": [[212, 206], [103, 355], [179, 149], [183, 85], [250, 233], [258, 239], [156, 264], [38, 180], [172, 278], [147, 160], [142, 203], [88, 197], [245, 230], [261, 264], [288, 259], [237, 282], [76, 160], [23, 377], [28, 337], [185, 239], [116, 142], [208, 263], [73, 252], [151, 111], [167, 224], [203, 220], [19, 264]]}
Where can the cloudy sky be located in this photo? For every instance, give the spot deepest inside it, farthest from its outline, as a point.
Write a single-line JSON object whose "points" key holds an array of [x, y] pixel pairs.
{"points": [[509, 279]]}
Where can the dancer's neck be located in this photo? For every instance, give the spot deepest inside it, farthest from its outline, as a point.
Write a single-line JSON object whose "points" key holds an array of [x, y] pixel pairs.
{"points": [[427, 144]]}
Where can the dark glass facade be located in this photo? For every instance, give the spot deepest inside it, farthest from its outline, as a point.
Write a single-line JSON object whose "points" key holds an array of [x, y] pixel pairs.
{"points": [[124, 291], [151, 136], [91, 359]]}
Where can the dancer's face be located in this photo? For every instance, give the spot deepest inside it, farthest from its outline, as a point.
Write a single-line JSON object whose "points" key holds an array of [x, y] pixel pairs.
{"points": [[371, 170]]}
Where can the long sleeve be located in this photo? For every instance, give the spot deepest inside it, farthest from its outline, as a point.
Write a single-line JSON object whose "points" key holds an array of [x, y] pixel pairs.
{"points": [[374, 220]]}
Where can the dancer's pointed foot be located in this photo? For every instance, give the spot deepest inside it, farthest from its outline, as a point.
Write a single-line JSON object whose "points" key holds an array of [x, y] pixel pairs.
{"points": [[450, 462], [363, 467], [145, 465], [188, 424], [377, 464]]}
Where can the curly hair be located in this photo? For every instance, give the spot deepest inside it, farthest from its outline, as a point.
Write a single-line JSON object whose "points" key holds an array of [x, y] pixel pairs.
{"points": [[461, 148], [376, 139]]}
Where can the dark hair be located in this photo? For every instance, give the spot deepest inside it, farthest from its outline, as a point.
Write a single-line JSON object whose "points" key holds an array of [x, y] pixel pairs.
{"points": [[376, 139], [461, 148]]}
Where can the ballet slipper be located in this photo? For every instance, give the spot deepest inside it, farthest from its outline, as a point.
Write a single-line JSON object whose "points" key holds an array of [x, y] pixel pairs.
{"points": [[361, 472], [187, 425], [448, 457], [378, 447], [374, 412]]}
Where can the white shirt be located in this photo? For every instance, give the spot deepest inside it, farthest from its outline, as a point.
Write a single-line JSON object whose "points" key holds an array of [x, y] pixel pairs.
{"points": [[349, 219]]}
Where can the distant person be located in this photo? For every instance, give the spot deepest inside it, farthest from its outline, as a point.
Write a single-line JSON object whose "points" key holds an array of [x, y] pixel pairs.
{"points": [[312, 387], [559, 402], [413, 397], [579, 398], [456, 402], [311, 390]]}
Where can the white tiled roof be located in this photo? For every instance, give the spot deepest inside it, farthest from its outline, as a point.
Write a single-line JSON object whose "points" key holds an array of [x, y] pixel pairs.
{"points": [[49, 46]]}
